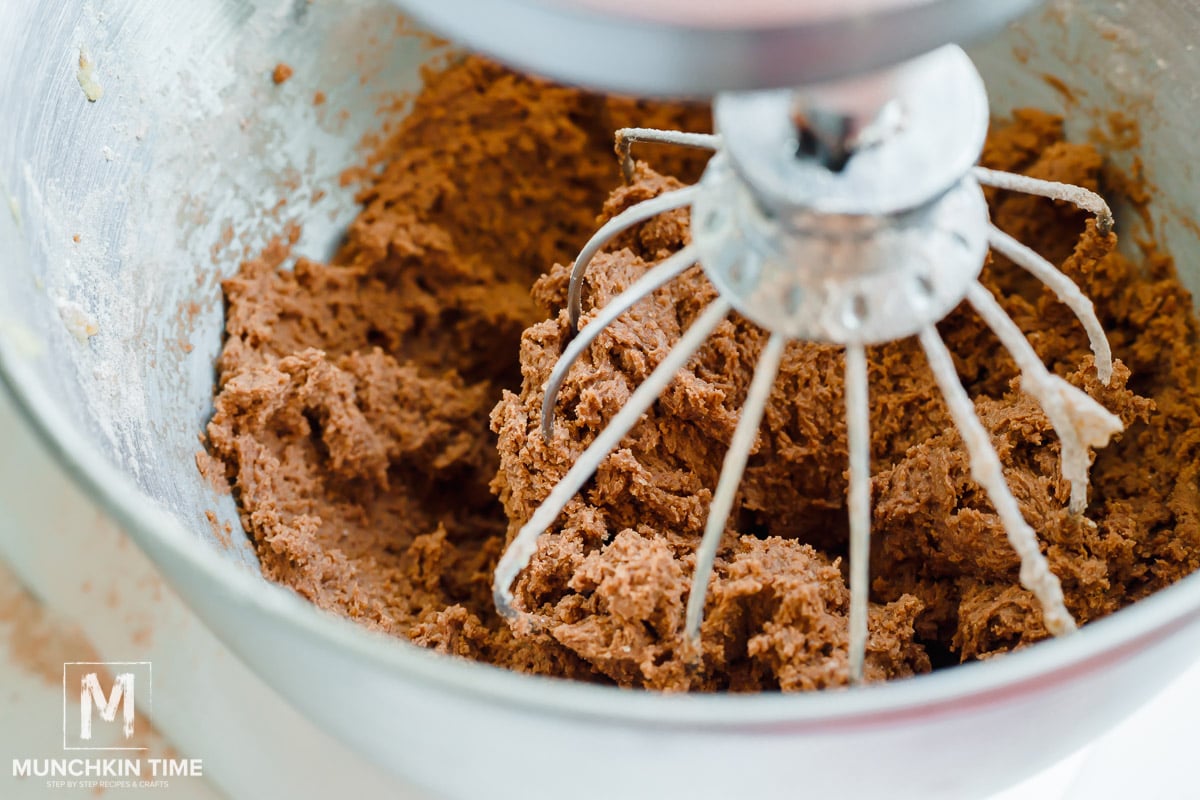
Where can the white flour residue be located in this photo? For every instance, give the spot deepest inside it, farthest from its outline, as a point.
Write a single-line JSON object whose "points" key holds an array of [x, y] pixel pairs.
{"points": [[86, 75], [79, 322]]}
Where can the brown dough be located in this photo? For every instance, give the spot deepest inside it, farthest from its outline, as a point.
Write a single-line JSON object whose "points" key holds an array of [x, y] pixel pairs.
{"points": [[353, 403]]}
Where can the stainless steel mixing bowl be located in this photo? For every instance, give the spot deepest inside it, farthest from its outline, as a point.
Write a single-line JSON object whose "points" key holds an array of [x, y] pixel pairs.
{"points": [[191, 145]]}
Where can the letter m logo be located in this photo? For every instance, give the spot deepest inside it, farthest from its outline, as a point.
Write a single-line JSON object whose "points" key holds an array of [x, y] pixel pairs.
{"points": [[110, 696], [90, 692]]}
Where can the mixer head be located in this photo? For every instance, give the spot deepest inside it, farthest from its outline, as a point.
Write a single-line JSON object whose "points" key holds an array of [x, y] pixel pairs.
{"points": [[845, 208], [702, 47]]}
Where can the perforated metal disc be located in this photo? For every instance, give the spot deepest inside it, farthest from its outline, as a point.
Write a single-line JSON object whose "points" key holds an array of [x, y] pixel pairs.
{"points": [[839, 278]]}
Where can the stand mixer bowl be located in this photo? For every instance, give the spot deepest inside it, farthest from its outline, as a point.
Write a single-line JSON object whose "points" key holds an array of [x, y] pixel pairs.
{"points": [[174, 172]]}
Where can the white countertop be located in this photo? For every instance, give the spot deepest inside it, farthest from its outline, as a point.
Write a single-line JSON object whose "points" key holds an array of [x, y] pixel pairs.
{"points": [[99, 598]]}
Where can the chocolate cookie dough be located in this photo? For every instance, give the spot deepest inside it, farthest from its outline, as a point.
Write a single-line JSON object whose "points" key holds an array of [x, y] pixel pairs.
{"points": [[354, 398]]}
